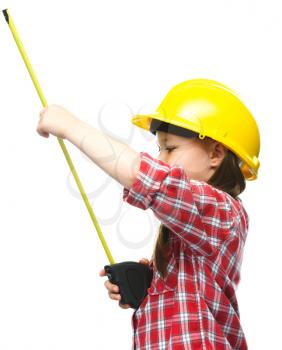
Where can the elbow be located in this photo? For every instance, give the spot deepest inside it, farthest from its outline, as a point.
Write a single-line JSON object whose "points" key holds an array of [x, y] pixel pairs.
{"points": [[132, 173]]}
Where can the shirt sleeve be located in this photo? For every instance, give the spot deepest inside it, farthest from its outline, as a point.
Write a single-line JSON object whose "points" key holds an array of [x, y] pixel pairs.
{"points": [[195, 211]]}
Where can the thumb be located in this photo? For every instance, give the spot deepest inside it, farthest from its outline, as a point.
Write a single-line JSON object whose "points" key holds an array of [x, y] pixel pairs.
{"points": [[102, 273], [144, 261]]}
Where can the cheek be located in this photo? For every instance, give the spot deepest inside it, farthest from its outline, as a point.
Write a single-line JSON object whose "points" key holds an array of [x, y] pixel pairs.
{"points": [[198, 158], [196, 163]]}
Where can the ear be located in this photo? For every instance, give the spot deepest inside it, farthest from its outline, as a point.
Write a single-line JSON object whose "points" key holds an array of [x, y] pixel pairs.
{"points": [[217, 153]]}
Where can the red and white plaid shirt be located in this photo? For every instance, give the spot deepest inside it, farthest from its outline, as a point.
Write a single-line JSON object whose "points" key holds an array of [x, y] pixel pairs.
{"points": [[195, 306]]}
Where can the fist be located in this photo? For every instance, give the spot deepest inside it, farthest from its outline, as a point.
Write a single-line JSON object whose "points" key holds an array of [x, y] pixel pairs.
{"points": [[113, 289], [55, 120]]}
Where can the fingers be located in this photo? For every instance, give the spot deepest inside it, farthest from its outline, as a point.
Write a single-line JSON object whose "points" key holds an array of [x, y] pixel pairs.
{"points": [[114, 296], [125, 306], [42, 133], [102, 272], [39, 127], [113, 289], [42, 112], [144, 261]]}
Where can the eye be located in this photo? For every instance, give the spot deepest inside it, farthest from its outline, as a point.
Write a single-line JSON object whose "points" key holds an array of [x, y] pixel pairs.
{"points": [[168, 149]]}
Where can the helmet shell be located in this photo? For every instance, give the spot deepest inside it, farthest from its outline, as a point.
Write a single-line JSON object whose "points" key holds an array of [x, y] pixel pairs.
{"points": [[211, 109]]}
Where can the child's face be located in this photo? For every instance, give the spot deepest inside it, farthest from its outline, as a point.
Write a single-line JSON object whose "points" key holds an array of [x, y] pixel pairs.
{"points": [[199, 158]]}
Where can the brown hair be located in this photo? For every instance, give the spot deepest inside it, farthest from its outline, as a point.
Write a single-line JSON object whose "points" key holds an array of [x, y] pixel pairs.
{"points": [[227, 177]]}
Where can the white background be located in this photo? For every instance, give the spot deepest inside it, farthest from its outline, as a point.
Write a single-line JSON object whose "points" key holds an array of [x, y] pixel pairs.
{"points": [[104, 61]]}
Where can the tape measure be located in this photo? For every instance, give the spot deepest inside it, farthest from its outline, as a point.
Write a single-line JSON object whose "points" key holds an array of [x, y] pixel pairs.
{"points": [[132, 278]]}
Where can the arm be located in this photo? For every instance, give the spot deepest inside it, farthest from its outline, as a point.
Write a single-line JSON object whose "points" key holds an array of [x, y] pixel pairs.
{"points": [[199, 214], [115, 158]]}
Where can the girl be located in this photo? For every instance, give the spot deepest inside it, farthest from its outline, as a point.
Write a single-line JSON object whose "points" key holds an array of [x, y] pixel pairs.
{"points": [[209, 145]]}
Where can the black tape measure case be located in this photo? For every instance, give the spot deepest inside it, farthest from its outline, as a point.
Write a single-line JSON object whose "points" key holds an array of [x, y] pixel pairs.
{"points": [[133, 280]]}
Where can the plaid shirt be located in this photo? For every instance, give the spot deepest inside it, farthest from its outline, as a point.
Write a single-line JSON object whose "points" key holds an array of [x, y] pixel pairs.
{"points": [[195, 306]]}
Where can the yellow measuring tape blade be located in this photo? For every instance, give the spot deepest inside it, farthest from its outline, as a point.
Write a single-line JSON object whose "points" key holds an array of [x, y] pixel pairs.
{"points": [[61, 142]]}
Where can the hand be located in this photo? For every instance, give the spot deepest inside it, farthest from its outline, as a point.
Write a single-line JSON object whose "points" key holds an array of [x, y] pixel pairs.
{"points": [[55, 120], [113, 289]]}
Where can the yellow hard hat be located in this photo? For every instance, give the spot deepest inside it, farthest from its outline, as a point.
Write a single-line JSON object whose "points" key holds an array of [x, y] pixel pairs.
{"points": [[211, 109]]}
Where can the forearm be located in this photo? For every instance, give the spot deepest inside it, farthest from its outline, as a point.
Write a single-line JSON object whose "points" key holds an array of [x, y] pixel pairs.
{"points": [[117, 159]]}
